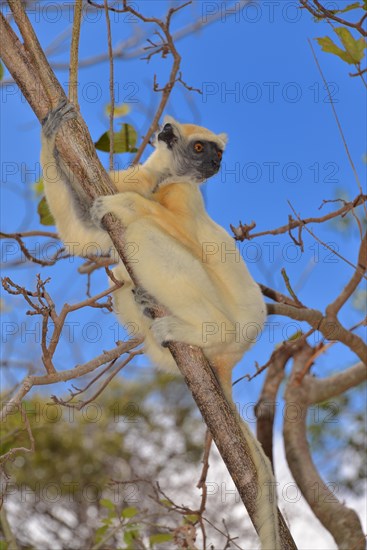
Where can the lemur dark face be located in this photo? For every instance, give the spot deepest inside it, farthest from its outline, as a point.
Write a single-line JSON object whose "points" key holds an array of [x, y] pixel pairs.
{"points": [[205, 156], [198, 158]]}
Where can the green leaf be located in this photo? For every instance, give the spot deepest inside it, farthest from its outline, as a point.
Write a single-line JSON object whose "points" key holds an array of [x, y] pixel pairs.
{"points": [[355, 48], [353, 6], [295, 336], [119, 111], [191, 518], [106, 503], [44, 213], [1, 71], [129, 512], [350, 7], [38, 187], [327, 45], [130, 536], [159, 538], [100, 532], [124, 140]]}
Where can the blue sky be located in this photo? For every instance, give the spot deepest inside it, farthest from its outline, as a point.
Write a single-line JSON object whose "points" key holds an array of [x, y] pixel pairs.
{"points": [[261, 85]]}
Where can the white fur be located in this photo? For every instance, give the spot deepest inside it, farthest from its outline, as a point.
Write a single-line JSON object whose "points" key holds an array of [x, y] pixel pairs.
{"points": [[213, 301]]}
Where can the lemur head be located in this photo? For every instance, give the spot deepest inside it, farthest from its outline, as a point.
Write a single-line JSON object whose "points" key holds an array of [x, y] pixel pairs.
{"points": [[189, 151]]}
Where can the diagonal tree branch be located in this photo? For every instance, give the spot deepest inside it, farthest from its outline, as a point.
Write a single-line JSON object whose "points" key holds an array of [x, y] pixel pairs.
{"points": [[330, 328], [265, 407], [351, 286], [321, 389]]}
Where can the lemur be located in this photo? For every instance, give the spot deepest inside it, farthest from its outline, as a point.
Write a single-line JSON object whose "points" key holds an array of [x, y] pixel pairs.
{"points": [[183, 260]]}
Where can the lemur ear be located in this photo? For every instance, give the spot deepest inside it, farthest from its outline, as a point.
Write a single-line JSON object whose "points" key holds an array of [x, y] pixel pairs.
{"points": [[223, 137], [169, 120]]}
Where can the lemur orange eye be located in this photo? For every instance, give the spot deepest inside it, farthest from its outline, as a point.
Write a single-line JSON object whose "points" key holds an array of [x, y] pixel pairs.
{"points": [[199, 147], [220, 154]]}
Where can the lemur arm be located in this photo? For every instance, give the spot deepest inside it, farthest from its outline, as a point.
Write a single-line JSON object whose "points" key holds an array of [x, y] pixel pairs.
{"points": [[135, 178], [68, 207], [67, 204]]}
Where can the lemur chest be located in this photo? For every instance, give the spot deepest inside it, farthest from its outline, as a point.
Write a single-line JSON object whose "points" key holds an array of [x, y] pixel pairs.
{"points": [[185, 219]]}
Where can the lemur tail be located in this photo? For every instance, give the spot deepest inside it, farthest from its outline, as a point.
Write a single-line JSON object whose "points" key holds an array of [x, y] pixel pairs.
{"points": [[266, 517]]}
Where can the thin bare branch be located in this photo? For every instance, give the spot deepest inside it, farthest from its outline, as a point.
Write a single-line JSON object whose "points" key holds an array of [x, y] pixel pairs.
{"points": [[321, 12], [111, 83], [351, 286], [59, 254], [74, 53], [15, 450], [63, 376], [167, 89], [289, 287], [332, 250], [102, 387], [331, 101], [242, 232], [278, 296]]}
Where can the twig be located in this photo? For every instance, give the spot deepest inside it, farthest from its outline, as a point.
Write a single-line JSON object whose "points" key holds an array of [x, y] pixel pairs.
{"points": [[103, 386], [46, 308], [121, 51], [74, 51], [18, 238], [351, 286], [167, 89], [289, 287], [242, 232], [63, 376], [111, 82], [10, 454], [35, 233], [9, 536], [357, 268], [325, 13], [337, 121], [278, 296]]}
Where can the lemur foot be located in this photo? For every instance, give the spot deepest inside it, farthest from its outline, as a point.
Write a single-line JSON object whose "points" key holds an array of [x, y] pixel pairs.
{"points": [[100, 207], [145, 300], [63, 112], [164, 330]]}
